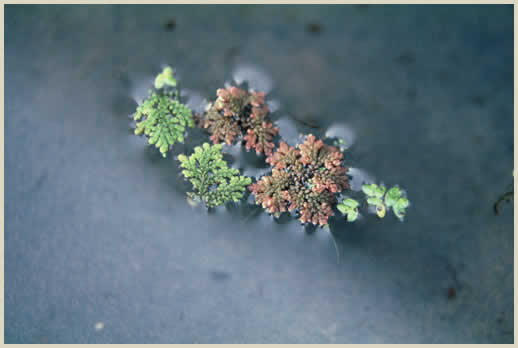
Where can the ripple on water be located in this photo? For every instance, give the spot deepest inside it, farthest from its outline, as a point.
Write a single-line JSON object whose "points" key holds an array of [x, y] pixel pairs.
{"points": [[288, 130], [135, 142], [343, 132], [194, 100], [273, 105], [358, 178], [140, 88], [248, 162], [257, 78]]}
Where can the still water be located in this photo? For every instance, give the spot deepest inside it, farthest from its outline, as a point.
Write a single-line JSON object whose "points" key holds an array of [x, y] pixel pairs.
{"points": [[101, 245]]}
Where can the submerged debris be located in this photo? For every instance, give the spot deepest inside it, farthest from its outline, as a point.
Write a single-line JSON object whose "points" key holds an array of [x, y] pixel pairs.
{"points": [[305, 179], [308, 124], [238, 113], [507, 197], [314, 28], [170, 25], [452, 293]]}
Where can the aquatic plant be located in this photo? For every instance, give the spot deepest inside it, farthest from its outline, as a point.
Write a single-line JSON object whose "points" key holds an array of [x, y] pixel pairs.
{"points": [[212, 181], [242, 114], [161, 116], [375, 197], [393, 198], [304, 179], [163, 119], [349, 207], [165, 78]]}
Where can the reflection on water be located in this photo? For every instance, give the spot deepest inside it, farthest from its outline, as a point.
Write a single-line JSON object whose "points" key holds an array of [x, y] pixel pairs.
{"points": [[288, 130], [257, 78], [140, 87], [342, 132], [273, 105], [194, 100], [358, 177]]}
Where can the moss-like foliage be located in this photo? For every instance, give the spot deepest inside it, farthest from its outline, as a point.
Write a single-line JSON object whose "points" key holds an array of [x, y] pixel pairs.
{"points": [[305, 179], [239, 113], [163, 119], [212, 181]]}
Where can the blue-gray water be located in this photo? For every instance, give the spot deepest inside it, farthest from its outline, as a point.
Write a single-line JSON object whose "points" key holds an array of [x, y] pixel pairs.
{"points": [[97, 229]]}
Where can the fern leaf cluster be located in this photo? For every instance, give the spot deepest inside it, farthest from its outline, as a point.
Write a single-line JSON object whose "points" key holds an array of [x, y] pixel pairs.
{"points": [[163, 119], [305, 178], [212, 180], [240, 114]]}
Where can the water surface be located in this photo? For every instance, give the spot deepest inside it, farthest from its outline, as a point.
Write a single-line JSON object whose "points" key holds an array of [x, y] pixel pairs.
{"points": [[97, 229]]}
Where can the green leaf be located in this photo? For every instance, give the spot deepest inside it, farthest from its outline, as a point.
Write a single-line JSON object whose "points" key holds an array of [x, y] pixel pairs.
{"points": [[159, 81], [168, 77], [370, 189], [402, 203], [349, 207], [163, 126], [380, 191], [165, 78], [163, 149], [342, 208], [399, 212], [392, 196], [352, 215], [375, 201], [380, 211], [210, 176], [351, 203]]}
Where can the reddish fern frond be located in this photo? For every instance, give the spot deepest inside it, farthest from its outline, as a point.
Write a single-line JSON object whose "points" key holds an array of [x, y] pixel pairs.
{"points": [[237, 113], [305, 179]]}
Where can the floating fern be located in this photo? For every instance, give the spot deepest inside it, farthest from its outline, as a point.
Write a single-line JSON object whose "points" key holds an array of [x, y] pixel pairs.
{"points": [[393, 198], [212, 181], [375, 197], [163, 119], [349, 207], [165, 78], [306, 178]]}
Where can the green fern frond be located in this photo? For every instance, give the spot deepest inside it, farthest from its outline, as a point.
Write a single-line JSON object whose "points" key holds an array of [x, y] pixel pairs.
{"points": [[163, 119], [212, 181], [165, 78]]}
